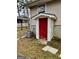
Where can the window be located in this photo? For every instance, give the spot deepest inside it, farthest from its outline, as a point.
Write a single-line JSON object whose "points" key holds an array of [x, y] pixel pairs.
{"points": [[19, 21], [41, 9]]}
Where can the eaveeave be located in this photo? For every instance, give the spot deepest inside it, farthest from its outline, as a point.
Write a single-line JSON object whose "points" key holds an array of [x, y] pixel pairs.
{"points": [[53, 16], [38, 2]]}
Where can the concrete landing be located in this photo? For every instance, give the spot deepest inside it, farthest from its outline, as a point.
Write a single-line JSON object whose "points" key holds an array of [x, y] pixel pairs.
{"points": [[50, 49]]}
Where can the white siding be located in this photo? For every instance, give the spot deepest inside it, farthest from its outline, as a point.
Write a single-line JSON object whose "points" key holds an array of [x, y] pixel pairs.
{"points": [[57, 31], [55, 8]]}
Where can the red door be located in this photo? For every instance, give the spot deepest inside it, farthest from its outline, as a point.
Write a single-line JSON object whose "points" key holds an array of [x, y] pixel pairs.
{"points": [[43, 28]]}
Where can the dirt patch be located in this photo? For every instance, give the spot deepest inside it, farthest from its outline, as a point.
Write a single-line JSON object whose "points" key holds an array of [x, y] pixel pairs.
{"points": [[20, 32]]}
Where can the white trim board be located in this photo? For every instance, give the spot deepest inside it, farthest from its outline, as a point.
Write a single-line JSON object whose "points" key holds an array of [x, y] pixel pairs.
{"points": [[45, 15], [50, 29], [37, 29]]}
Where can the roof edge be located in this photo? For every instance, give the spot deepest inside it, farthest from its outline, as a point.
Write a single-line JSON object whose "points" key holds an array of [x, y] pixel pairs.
{"points": [[53, 16]]}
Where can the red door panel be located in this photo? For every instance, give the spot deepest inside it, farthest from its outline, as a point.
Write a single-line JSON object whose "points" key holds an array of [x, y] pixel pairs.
{"points": [[43, 28]]}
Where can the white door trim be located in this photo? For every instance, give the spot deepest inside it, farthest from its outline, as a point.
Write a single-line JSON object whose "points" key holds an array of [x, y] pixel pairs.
{"points": [[49, 29], [37, 28]]}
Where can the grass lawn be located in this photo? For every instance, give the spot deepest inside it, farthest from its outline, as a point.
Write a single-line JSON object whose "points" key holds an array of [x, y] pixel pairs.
{"points": [[31, 49], [20, 32]]}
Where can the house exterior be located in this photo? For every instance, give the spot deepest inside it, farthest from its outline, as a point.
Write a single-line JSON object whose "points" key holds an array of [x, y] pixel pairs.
{"points": [[21, 21], [45, 17]]}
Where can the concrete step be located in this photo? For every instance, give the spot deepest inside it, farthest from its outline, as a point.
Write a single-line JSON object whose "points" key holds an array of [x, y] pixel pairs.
{"points": [[50, 49]]}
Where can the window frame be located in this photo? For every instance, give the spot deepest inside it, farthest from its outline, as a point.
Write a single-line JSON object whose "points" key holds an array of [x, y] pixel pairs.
{"points": [[41, 6]]}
